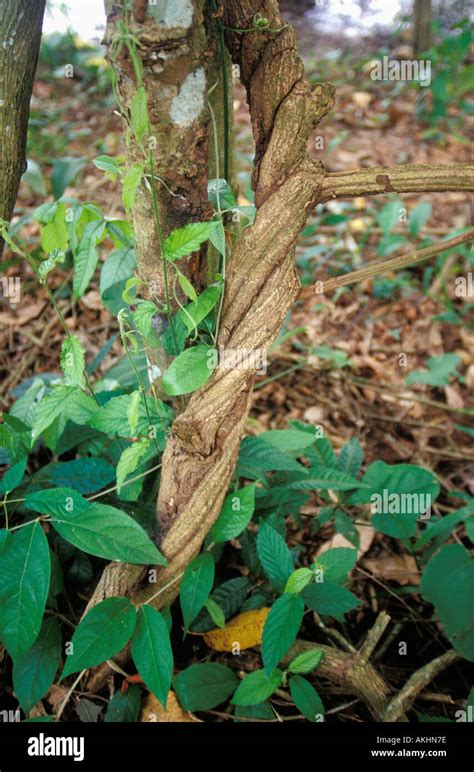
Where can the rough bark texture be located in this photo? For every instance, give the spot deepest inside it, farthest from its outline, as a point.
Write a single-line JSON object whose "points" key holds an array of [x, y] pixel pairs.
{"points": [[20, 36], [176, 51], [261, 285]]}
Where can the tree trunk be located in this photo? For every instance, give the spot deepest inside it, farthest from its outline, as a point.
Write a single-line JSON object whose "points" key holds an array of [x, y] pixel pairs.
{"points": [[261, 285], [422, 26], [20, 37]]}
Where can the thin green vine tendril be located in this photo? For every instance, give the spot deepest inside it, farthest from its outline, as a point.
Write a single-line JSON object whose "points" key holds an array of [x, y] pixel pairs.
{"points": [[225, 88]]}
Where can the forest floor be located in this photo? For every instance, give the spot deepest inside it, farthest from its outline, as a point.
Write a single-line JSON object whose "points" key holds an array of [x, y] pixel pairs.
{"points": [[338, 361]]}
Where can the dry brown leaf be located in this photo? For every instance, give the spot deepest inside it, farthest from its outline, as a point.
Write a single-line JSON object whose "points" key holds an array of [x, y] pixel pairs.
{"points": [[366, 537], [21, 315], [152, 710], [453, 397], [245, 629], [397, 568]]}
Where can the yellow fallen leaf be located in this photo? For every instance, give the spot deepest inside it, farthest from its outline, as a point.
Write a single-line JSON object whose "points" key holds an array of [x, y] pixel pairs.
{"points": [[152, 710], [244, 629]]}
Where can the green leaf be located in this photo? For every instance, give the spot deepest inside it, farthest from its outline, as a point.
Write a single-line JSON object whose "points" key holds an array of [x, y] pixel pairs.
{"points": [[322, 454], [195, 312], [56, 256], [257, 456], [73, 358], [418, 217], [235, 515], [288, 440], [103, 632], [34, 178], [184, 241], [68, 401], [274, 555], [215, 612], [440, 370], [116, 270], [445, 525], [196, 585], [280, 629], [189, 371], [130, 460], [257, 687], [25, 570], [86, 257], [351, 457], [186, 286], [203, 687], [130, 183], [326, 478], [109, 533], [143, 317], [298, 580], [107, 164], [336, 564], [393, 489], [306, 662], [306, 698], [54, 234], [34, 672], [389, 216], [151, 652], [220, 189], [139, 113], [113, 418], [124, 706], [229, 596], [56, 502], [329, 599], [448, 583], [217, 238], [13, 477], [65, 172]]}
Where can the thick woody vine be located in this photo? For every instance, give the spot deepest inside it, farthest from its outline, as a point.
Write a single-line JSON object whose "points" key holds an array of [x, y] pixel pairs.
{"points": [[260, 283]]}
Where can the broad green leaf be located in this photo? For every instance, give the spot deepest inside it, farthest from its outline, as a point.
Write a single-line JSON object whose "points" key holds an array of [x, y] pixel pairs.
{"points": [[229, 596], [65, 172], [109, 533], [257, 687], [107, 164], [445, 525], [133, 410], [195, 312], [113, 418], [288, 440], [130, 460], [215, 612], [306, 662], [184, 241], [351, 457], [13, 477], [336, 564], [325, 478], [139, 113], [257, 456], [116, 270], [56, 256], [151, 652], [73, 358], [54, 234], [187, 287], [67, 401], [418, 217], [329, 599], [274, 555], [219, 189], [217, 238], [398, 495], [306, 698], [103, 632], [440, 370], [235, 515], [280, 629], [35, 671], [124, 706], [34, 178], [143, 317], [298, 580], [448, 583], [130, 182], [189, 371], [196, 585], [262, 711], [85, 475], [56, 502], [86, 257], [203, 687], [25, 570]]}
